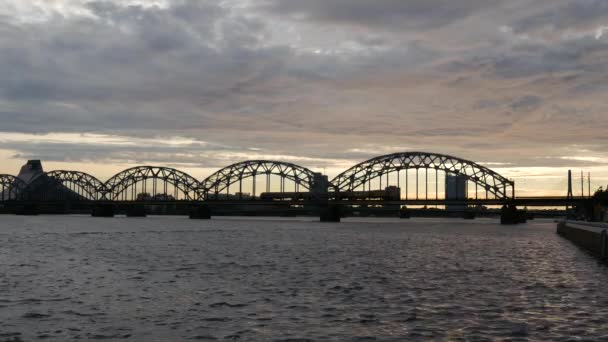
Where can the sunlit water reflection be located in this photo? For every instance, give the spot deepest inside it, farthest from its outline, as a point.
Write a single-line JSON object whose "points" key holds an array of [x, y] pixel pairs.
{"points": [[172, 279]]}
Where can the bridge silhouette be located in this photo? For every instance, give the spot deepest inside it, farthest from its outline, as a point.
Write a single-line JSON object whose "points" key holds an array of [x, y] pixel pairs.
{"points": [[255, 184]]}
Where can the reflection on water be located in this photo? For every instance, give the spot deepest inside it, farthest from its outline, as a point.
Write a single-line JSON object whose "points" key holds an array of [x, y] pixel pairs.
{"points": [[171, 279]]}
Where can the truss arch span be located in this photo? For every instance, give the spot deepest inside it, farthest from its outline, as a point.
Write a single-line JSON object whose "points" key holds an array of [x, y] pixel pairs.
{"points": [[150, 183], [11, 187], [81, 184], [221, 181], [361, 175]]}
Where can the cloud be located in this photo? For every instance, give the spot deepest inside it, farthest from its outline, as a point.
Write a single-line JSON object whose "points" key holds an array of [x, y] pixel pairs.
{"points": [[324, 83], [127, 64], [388, 14], [568, 15], [527, 103], [161, 150], [191, 65]]}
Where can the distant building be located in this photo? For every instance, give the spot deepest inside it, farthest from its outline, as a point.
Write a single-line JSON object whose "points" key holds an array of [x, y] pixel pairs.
{"points": [[319, 187], [229, 197], [456, 189], [30, 171], [243, 195], [144, 196], [392, 193]]}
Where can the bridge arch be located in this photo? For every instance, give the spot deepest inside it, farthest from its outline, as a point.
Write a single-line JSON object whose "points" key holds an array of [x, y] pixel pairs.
{"points": [[219, 183], [151, 183], [11, 187], [72, 184], [361, 175]]}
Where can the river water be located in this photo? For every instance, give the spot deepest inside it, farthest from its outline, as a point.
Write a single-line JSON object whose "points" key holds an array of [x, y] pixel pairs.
{"points": [[71, 278]]}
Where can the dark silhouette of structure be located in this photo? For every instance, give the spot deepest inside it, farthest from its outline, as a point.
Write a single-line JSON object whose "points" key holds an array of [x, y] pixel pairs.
{"points": [[361, 175], [570, 194], [263, 187], [456, 190]]}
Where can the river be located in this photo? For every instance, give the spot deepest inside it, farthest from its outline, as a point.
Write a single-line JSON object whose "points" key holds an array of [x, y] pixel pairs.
{"points": [[73, 278]]}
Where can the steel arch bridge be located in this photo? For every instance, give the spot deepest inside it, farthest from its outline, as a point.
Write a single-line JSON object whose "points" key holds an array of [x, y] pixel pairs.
{"points": [[79, 183], [11, 187], [221, 180], [361, 175], [168, 184], [124, 185]]}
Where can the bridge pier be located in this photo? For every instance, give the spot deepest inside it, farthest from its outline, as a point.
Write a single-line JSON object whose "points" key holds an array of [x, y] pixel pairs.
{"points": [[510, 215], [404, 213], [27, 209], [200, 212], [468, 215], [103, 210], [136, 210], [331, 213]]}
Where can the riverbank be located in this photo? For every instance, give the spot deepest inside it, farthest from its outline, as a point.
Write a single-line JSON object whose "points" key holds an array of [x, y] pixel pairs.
{"points": [[588, 235]]}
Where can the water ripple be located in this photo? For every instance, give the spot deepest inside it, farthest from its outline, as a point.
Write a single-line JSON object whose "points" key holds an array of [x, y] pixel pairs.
{"points": [[78, 278]]}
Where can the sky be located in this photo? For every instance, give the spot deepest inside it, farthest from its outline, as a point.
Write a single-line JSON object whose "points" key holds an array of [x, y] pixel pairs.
{"points": [[517, 85]]}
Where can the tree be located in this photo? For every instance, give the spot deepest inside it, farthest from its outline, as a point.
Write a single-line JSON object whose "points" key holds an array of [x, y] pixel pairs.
{"points": [[144, 196], [601, 196]]}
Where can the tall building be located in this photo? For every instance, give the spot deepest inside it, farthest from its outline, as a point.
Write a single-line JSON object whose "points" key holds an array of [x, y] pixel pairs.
{"points": [[30, 171], [456, 189]]}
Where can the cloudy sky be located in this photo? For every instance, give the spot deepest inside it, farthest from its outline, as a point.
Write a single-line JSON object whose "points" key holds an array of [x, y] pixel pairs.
{"points": [[519, 85]]}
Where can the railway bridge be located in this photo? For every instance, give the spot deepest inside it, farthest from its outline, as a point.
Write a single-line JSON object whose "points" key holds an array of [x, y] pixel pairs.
{"points": [[385, 184]]}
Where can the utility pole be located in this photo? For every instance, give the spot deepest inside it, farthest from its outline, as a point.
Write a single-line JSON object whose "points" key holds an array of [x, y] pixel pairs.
{"points": [[570, 194], [582, 185]]}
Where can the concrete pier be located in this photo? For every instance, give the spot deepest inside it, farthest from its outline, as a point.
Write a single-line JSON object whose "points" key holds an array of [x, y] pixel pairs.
{"points": [[28, 209], [137, 210], [200, 212], [591, 236], [510, 215], [404, 213], [103, 210], [331, 213]]}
